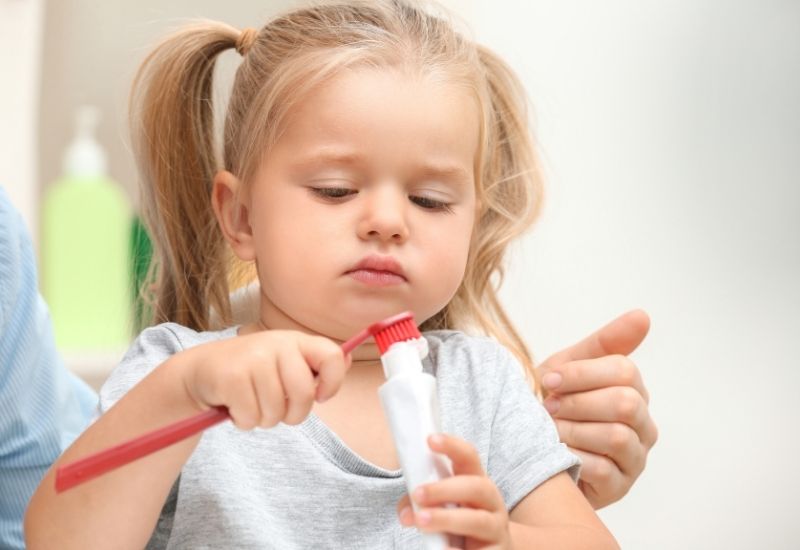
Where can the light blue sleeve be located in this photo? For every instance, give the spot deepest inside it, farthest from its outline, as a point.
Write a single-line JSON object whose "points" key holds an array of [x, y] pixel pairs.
{"points": [[43, 407]]}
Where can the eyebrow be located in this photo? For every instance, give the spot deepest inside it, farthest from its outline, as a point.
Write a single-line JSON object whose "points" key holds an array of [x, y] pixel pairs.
{"points": [[445, 170], [330, 157], [451, 172]]}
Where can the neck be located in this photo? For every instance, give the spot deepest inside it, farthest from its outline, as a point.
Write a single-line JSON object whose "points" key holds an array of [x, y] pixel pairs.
{"points": [[365, 355], [334, 327]]}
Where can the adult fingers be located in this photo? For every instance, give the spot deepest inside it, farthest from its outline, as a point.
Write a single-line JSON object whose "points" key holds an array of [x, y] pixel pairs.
{"points": [[617, 404], [621, 336], [592, 374], [600, 480], [617, 442]]}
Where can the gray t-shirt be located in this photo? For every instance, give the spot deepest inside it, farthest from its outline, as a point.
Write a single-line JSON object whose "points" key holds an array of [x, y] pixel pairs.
{"points": [[293, 487]]}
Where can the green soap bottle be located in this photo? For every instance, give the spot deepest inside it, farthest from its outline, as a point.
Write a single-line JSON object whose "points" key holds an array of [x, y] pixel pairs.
{"points": [[84, 249]]}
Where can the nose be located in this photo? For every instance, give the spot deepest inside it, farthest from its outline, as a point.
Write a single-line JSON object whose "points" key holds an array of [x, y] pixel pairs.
{"points": [[384, 215]]}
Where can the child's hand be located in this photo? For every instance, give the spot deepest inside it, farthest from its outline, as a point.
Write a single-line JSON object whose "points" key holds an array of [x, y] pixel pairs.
{"points": [[481, 517], [265, 378]]}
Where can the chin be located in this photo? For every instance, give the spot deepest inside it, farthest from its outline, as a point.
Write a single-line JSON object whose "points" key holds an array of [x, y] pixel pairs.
{"points": [[362, 315]]}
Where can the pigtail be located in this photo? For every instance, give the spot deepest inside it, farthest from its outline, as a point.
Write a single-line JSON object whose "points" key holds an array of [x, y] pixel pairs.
{"points": [[510, 197], [172, 126]]}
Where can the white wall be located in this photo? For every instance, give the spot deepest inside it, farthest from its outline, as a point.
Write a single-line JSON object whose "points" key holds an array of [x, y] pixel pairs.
{"points": [[20, 48], [672, 136]]}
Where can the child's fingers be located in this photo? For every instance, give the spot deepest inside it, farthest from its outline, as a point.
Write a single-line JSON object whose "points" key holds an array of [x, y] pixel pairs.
{"points": [[298, 385], [329, 362], [404, 512], [330, 376], [243, 405], [464, 457], [482, 525], [271, 397], [465, 490]]}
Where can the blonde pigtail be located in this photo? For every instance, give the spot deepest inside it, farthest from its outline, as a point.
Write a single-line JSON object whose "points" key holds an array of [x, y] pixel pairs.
{"points": [[510, 192], [171, 117]]}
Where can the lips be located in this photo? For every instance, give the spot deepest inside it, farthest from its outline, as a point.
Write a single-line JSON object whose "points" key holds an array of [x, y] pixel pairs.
{"points": [[378, 270]]}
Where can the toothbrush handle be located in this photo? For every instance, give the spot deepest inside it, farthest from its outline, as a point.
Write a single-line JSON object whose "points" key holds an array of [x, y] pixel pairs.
{"points": [[99, 463]]}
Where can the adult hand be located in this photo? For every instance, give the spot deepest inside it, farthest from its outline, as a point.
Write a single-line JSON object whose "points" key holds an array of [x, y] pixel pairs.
{"points": [[596, 396]]}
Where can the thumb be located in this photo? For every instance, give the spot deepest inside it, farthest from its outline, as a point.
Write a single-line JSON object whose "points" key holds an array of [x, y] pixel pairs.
{"points": [[619, 337]]}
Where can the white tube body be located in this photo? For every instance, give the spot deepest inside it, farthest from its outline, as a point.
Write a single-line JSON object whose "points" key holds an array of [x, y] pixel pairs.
{"points": [[411, 406]]}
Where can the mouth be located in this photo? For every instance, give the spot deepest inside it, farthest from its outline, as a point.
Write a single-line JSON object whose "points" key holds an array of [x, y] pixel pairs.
{"points": [[378, 271]]}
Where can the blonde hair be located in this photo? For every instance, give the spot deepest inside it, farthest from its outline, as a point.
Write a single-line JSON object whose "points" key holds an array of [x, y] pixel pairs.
{"points": [[172, 123]]}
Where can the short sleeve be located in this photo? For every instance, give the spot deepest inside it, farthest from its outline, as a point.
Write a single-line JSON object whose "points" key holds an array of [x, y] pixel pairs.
{"points": [[525, 450], [150, 349]]}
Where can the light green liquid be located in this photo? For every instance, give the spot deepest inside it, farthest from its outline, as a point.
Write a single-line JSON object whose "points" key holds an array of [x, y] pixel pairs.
{"points": [[84, 252]]}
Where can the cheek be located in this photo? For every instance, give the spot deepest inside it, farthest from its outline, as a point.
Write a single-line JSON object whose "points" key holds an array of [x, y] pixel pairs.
{"points": [[450, 260], [296, 248], [445, 269], [287, 221], [458, 260], [462, 240]]}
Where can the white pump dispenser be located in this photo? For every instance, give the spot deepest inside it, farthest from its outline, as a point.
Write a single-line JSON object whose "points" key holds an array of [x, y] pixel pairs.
{"points": [[85, 158]]}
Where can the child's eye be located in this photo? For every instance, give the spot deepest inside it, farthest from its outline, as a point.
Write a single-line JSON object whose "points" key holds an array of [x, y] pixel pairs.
{"points": [[430, 204], [333, 192]]}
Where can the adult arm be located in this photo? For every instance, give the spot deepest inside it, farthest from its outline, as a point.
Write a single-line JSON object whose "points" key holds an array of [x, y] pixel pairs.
{"points": [[43, 407]]}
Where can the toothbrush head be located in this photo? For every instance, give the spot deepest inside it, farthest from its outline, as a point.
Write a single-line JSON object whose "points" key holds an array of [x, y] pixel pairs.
{"points": [[398, 328]]}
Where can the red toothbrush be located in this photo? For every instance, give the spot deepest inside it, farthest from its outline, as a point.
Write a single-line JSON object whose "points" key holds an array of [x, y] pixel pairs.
{"points": [[399, 327]]}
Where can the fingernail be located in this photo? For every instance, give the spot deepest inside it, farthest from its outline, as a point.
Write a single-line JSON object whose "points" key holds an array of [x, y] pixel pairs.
{"points": [[423, 518], [318, 397], [406, 517], [437, 439], [419, 495], [551, 380], [552, 404]]}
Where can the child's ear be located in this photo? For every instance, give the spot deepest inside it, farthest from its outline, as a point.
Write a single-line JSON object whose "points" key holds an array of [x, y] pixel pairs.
{"points": [[233, 215]]}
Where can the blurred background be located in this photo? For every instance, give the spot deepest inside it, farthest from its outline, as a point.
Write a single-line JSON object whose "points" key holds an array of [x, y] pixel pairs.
{"points": [[671, 138]]}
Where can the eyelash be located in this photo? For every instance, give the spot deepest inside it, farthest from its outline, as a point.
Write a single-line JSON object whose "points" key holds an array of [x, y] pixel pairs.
{"points": [[430, 204], [336, 194], [333, 192]]}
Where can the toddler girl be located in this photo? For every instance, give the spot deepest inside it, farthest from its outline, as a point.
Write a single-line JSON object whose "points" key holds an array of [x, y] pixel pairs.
{"points": [[374, 161]]}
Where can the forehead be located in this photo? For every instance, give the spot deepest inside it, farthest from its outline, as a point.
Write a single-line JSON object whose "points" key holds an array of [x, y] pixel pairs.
{"points": [[389, 114]]}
